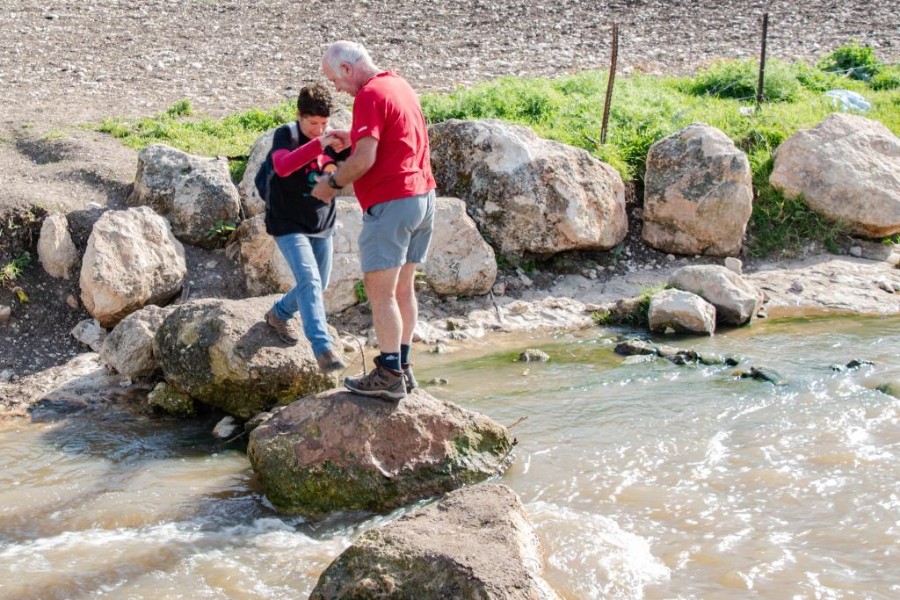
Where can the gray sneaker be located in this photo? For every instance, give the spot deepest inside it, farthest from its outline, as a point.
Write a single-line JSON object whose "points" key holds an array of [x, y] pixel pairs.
{"points": [[411, 382], [380, 382], [285, 329], [330, 361]]}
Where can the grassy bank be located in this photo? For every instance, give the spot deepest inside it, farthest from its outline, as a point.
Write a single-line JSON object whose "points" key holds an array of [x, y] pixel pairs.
{"points": [[644, 110]]}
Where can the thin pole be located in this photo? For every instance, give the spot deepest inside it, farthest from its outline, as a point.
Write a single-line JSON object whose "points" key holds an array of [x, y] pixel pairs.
{"points": [[612, 79], [762, 61]]}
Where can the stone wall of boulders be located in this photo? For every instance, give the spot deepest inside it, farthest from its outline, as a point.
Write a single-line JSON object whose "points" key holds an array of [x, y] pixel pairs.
{"points": [[505, 192]]}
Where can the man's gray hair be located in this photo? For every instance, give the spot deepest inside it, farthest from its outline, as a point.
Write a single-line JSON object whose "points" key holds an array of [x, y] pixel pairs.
{"points": [[346, 52]]}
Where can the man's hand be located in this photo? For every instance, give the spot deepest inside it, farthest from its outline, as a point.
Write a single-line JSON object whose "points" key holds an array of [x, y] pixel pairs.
{"points": [[338, 139], [323, 191]]}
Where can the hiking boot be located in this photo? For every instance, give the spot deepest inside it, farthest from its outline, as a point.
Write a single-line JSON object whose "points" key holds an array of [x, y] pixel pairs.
{"points": [[411, 382], [284, 329], [330, 361], [380, 382]]}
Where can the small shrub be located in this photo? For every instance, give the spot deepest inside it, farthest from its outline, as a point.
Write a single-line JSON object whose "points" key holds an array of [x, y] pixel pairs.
{"points": [[852, 60], [738, 79], [816, 79], [14, 268], [601, 317], [631, 312], [888, 78], [221, 230], [182, 108], [359, 290], [12, 271]]}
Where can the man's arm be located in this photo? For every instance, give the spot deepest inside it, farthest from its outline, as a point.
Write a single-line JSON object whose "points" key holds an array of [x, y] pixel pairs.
{"points": [[353, 168]]}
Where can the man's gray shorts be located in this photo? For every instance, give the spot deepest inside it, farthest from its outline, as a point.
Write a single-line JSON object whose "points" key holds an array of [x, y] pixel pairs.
{"points": [[396, 232]]}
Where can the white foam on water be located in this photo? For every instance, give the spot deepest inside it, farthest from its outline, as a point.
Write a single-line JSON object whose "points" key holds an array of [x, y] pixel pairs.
{"points": [[593, 555]]}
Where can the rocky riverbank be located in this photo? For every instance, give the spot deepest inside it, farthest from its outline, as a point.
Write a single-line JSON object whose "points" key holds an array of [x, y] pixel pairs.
{"points": [[76, 62]]}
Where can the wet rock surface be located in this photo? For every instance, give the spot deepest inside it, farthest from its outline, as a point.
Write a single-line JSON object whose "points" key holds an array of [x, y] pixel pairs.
{"points": [[474, 543]]}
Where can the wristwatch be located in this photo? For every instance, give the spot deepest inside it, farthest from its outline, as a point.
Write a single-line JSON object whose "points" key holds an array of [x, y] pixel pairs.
{"points": [[332, 183]]}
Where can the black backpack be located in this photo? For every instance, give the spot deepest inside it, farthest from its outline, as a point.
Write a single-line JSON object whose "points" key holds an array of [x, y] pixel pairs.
{"points": [[263, 179]]}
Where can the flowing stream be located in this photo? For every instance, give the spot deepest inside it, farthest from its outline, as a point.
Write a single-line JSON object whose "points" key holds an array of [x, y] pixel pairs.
{"points": [[643, 479]]}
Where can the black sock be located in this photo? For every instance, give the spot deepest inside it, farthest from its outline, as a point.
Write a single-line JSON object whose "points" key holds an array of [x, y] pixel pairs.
{"points": [[404, 354], [391, 361]]}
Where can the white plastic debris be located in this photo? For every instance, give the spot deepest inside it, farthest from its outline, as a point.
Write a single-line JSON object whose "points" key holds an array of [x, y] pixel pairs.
{"points": [[848, 100]]}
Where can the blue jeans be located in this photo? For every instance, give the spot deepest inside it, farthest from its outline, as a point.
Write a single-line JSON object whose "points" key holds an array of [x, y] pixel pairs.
{"points": [[310, 261]]}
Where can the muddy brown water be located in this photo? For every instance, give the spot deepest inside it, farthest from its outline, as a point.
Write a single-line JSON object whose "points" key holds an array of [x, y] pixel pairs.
{"points": [[643, 479]]}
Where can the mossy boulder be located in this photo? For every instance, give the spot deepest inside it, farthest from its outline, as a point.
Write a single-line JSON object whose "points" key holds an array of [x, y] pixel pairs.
{"points": [[338, 451], [222, 353]]}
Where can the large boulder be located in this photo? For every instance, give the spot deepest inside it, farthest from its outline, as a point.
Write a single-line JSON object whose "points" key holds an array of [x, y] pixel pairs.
{"points": [[736, 300], [339, 451], [846, 168], [475, 543], [460, 262], [55, 248], [698, 193], [682, 312], [222, 353], [132, 260], [128, 348], [527, 194], [194, 193]]}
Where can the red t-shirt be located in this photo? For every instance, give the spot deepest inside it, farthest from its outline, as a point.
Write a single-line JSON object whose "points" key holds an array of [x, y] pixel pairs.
{"points": [[387, 109]]}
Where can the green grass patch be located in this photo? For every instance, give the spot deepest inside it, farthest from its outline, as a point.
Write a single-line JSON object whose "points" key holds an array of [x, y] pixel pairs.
{"points": [[778, 223], [229, 136]]}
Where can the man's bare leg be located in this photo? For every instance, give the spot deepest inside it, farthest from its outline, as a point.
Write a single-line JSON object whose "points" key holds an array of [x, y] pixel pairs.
{"points": [[406, 301], [381, 289], [409, 312], [386, 380]]}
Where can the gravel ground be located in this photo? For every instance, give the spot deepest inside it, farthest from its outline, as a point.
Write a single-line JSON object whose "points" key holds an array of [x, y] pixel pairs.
{"points": [[64, 63]]}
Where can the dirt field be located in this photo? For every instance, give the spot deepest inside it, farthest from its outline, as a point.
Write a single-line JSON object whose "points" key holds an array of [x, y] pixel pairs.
{"points": [[69, 63], [75, 60]]}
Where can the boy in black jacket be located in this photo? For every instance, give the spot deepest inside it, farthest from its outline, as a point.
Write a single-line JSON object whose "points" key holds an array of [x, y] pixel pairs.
{"points": [[302, 225]]}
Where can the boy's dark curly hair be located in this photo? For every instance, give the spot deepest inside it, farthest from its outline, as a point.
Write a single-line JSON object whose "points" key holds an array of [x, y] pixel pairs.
{"points": [[314, 101]]}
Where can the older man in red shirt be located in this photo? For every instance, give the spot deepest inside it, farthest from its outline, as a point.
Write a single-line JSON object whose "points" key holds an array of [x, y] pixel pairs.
{"points": [[390, 169]]}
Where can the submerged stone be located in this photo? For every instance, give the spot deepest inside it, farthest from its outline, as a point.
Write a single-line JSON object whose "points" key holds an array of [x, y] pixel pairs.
{"points": [[763, 374], [533, 355]]}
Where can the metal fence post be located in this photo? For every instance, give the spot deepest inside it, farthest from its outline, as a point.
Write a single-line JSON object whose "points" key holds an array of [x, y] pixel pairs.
{"points": [[609, 85], [762, 61]]}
